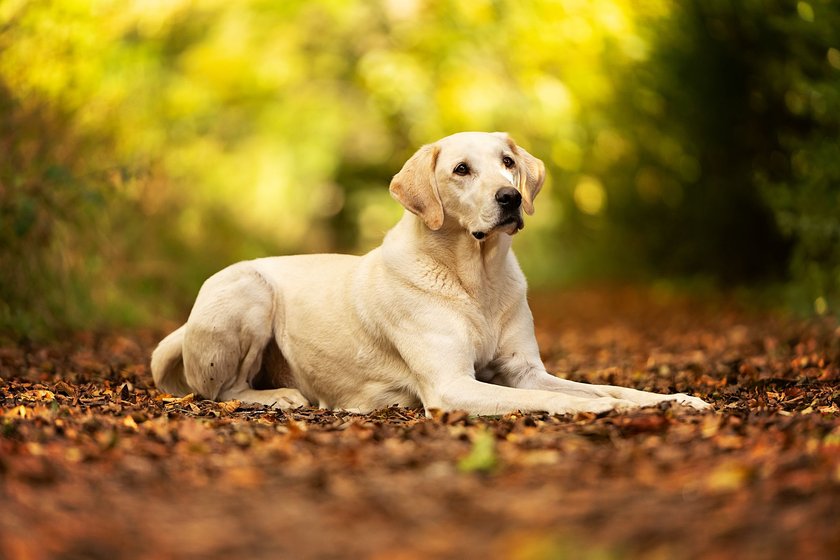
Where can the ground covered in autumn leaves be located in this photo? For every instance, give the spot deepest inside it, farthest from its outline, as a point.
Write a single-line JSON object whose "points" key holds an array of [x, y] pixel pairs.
{"points": [[95, 463]]}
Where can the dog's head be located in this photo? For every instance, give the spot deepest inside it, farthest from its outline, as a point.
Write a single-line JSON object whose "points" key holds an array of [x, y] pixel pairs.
{"points": [[480, 181]]}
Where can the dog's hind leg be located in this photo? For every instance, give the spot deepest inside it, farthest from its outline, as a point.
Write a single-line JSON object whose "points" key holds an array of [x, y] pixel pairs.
{"points": [[226, 335]]}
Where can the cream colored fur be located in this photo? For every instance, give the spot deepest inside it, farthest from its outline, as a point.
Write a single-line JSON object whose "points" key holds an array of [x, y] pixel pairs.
{"points": [[434, 317]]}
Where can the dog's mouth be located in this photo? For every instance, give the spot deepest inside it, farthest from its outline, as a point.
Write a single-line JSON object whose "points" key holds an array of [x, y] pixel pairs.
{"points": [[509, 225]]}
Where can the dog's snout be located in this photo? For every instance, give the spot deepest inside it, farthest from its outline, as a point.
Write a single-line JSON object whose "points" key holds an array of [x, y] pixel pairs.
{"points": [[508, 198]]}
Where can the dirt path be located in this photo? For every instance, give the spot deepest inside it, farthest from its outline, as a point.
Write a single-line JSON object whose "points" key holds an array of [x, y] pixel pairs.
{"points": [[94, 463]]}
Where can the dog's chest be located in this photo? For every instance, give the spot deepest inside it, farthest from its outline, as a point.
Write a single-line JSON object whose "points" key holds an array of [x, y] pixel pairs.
{"points": [[487, 324]]}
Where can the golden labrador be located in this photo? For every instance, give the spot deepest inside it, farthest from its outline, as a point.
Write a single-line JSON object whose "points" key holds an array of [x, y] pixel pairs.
{"points": [[436, 316]]}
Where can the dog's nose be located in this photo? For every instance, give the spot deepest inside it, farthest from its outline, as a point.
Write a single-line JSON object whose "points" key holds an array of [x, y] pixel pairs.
{"points": [[508, 198]]}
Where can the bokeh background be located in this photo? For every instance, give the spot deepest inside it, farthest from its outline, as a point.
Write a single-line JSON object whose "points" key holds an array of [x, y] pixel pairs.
{"points": [[146, 144]]}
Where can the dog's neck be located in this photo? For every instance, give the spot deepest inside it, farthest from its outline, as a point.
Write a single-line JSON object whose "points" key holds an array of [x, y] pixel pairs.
{"points": [[450, 253]]}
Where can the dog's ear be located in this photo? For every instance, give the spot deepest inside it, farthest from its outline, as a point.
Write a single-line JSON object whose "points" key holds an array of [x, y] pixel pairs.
{"points": [[531, 181], [531, 174], [416, 189]]}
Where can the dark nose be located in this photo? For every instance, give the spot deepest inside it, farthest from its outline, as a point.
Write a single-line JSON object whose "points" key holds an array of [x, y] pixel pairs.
{"points": [[508, 198]]}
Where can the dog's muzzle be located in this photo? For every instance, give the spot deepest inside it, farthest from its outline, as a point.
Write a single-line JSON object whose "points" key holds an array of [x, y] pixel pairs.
{"points": [[509, 201]]}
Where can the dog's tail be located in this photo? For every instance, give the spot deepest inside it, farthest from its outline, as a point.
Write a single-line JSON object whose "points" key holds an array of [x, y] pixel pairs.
{"points": [[168, 364]]}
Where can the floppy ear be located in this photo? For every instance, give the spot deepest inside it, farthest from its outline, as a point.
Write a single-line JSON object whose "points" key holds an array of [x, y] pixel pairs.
{"points": [[416, 189], [531, 173], [531, 180]]}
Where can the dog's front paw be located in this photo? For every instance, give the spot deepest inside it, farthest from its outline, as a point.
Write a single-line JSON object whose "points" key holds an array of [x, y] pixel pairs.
{"points": [[689, 401]]}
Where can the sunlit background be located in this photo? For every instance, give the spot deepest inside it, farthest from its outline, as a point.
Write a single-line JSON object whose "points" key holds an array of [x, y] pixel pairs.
{"points": [[146, 144]]}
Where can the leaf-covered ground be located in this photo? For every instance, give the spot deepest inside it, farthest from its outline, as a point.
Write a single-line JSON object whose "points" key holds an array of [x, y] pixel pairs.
{"points": [[95, 463]]}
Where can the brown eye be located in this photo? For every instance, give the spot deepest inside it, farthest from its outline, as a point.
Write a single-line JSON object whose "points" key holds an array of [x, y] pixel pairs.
{"points": [[461, 169], [508, 161]]}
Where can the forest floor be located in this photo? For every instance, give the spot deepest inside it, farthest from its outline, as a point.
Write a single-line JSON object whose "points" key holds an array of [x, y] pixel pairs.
{"points": [[95, 463]]}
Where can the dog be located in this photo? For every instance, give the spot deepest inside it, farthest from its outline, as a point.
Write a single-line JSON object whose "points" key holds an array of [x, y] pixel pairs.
{"points": [[436, 316]]}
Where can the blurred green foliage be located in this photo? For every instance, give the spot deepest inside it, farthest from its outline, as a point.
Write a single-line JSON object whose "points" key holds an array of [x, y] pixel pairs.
{"points": [[146, 144], [734, 130]]}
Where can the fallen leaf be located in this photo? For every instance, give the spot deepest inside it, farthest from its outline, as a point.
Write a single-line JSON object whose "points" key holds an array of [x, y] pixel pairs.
{"points": [[482, 456]]}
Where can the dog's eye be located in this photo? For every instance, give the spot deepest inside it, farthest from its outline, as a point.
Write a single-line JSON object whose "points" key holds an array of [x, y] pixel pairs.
{"points": [[508, 161], [461, 169]]}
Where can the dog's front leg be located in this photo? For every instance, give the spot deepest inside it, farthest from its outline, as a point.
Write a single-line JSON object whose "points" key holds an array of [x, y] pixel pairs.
{"points": [[519, 365], [445, 380], [528, 377], [464, 392]]}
